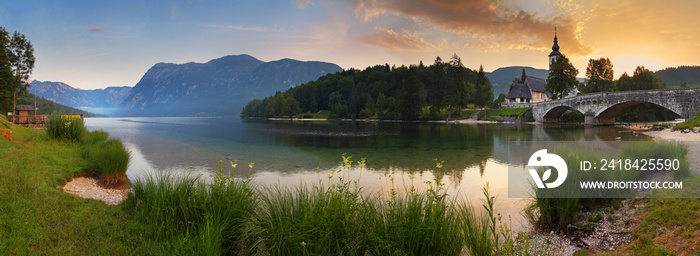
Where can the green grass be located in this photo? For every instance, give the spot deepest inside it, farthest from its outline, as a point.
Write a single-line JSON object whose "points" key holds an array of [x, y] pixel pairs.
{"points": [[182, 215], [107, 159], [671, 222], [507, 112], [690, 124], [61, 127], [333, 217], [37, 217], [323, 114], [94, 137]]}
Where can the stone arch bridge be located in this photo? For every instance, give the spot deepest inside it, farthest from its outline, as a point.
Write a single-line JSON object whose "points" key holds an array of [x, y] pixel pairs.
{"points": [[602, 107]]}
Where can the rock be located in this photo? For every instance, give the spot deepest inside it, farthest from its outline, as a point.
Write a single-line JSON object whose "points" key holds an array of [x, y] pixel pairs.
{"points": [[686, 131]]}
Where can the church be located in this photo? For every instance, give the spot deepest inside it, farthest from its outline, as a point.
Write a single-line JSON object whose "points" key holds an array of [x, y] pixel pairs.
{"points": [[530, 89]]}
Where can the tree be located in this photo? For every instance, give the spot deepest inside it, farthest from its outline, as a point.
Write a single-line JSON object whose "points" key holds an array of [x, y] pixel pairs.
{"points": [[562, 77], [484, 90], [411, 101], [21, 55], [457, 91], [624, 83], [501, 99], [644, 79], [6, 79], [290, 108], [436, 94], [600, 76]]}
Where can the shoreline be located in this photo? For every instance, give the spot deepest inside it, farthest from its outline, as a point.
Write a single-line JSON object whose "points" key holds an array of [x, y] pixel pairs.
{"points": [[455, 121]]}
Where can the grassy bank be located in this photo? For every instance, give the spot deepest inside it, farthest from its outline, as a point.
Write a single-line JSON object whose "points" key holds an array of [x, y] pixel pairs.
{"points": [[37, 217], [690, 124]]}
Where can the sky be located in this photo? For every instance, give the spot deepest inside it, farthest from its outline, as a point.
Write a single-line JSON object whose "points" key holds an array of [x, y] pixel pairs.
{"points": [[96, 44]]}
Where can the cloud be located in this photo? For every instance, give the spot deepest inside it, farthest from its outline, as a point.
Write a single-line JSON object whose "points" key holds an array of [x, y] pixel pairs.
{"points": [[489, 25], [304, 3], [390, 39], [97, 29]]}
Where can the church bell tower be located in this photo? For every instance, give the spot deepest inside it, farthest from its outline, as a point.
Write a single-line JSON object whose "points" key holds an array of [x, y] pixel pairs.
{"points": [[555, 49]]}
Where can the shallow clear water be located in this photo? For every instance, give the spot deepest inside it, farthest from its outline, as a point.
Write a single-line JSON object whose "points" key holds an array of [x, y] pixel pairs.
{"points": [[287, 153]]}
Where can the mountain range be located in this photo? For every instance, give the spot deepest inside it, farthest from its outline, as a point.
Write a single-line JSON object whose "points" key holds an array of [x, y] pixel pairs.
{"points": [[100, 101], [223, 86], [219, 87]]}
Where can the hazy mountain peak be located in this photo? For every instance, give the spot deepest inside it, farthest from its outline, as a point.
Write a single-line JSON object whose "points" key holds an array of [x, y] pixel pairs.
{"points": [[220, 86]]}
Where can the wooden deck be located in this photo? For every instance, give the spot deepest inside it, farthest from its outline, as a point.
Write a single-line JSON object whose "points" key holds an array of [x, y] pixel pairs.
{"points": [[33, 121]]}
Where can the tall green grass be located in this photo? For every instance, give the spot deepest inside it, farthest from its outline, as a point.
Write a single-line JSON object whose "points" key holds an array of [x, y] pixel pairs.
{"points": [[182, 215], [94, 137], [108, 160], [61, 127], [335, 218]]}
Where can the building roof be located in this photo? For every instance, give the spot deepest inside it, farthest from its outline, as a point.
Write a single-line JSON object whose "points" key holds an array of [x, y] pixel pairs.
{"points": [[535, 84], [519, 90], [24, 107]]}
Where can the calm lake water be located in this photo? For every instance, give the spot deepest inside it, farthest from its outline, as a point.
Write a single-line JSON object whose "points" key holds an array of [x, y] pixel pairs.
{"points": [[287, 153]]}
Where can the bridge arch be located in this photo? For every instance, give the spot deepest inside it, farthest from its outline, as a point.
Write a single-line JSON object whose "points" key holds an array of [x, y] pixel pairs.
{"points": [[602, 107], [607, 115], [553, 114]]}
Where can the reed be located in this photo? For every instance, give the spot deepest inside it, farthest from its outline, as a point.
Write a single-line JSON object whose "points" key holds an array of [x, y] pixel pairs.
{"points": [[184, 215], [61, 127], [108, 160]]}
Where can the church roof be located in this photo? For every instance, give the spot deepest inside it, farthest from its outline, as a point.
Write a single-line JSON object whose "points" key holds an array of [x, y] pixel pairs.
{"points": [[519, 90], [535, 84]]}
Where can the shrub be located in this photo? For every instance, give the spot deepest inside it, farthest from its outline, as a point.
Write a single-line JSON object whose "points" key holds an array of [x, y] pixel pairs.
{"points": [[63, 127], [108, 160]]}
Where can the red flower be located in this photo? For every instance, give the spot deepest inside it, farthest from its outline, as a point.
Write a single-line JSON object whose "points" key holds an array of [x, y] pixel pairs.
{"points": [[7, 135]]}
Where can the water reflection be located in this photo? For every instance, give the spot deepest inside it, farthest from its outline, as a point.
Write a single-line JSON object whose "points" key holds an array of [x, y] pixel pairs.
{"points": [[287, 153]]}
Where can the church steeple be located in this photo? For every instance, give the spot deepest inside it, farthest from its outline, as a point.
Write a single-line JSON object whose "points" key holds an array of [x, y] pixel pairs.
{"points": [[555, 49]]}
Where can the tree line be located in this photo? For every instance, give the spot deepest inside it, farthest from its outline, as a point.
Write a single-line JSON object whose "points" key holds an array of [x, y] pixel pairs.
{"points": [[16, 63], [383, 92]]}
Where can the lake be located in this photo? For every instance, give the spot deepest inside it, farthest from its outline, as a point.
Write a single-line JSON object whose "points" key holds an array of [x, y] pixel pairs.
{"points": [[288, 153]]}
